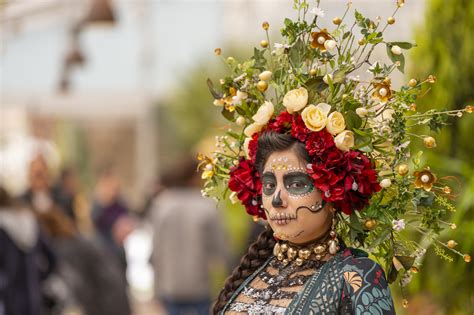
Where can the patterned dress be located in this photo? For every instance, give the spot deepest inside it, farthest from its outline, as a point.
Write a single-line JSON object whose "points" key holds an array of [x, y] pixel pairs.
{"points": [[348, 283]]}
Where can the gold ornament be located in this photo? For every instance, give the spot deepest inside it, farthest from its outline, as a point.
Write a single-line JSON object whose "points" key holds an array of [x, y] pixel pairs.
{"points": [[412, 83], [429, 142], [264, 43], [467, 258], [405, 303], [383, 91], [447, 190], [217, 51], [265, 25], [319, 38], [299, 261], [337, 20], [400, 3], [469, 109], [370, 224], [424, 179], [391, 20], [452, 243], [262, 86], [403, 169], [413, 107], [431, 79]]}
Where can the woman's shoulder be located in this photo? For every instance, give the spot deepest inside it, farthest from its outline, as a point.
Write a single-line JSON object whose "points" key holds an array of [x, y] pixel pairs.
{"points": [[353, 258]]}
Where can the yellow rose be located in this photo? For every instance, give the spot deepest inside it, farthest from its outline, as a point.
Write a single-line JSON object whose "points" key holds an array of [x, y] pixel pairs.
{"points": [[264, 113], [295, 100], [335, 123], [315, 117], [252, 128], [345, 140]]}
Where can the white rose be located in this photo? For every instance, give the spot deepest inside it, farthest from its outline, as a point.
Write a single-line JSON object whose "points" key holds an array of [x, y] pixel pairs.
{"points": [[295, 100], [335, 123], [330, 44], [265, 75], [396, 50], [264, 113], [315, 117], [385, 183], [345, 140], [246, 147], [362, 112], [252, 129]]}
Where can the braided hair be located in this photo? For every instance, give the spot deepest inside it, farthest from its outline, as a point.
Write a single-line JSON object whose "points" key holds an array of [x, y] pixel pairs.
{"points": [[257, 254]]}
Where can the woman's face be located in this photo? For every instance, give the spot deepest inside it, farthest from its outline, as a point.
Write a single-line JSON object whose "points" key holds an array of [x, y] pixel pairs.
{"points": [[293, 206]]}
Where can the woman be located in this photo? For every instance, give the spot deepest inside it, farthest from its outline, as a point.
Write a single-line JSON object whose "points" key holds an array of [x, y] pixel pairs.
{"points": [[324, 158], [298, 264]]}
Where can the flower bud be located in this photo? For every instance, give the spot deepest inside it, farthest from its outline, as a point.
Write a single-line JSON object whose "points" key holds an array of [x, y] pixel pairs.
{"points": [[362, 112], [391, 20], [385, 183], [265, 75], [330, 44], [412, 83], [337, 20], [265, 25], [218, 51], [264, 43], [429, 142], [313, 72], [452, 243], [262, 86], [240, 121], [402, 169], [396, 50]]}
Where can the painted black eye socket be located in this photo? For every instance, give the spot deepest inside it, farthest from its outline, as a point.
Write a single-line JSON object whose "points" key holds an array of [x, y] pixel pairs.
{"points": [[298, 183], [268, 184]]}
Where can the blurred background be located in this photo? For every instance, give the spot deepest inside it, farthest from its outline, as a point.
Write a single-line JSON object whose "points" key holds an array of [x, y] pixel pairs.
{"points": [[104, 104]]}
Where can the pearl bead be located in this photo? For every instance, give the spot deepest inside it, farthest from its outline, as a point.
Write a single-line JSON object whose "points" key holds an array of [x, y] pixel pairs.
{"points": [[383, 92], [425, 178], [321, 40]]}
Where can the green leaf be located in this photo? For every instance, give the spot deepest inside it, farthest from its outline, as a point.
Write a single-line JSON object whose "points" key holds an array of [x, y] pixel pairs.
{"points": [[297, 53], [228, 115], [403, 45], [406, 261], [213, 91], [316, 84], [400, 58], [353, 121], [355, 223], [346, 34], [392, 274]]}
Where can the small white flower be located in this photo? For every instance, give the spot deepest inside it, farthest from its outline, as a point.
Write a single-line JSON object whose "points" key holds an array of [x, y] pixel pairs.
{"points": [[398, 225], [362, 112], [280, 48], [396, 50], [327, 78], [317, 12], [385, 183]]}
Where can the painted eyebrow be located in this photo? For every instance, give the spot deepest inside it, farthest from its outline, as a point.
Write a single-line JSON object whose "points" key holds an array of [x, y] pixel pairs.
{"points": [[295, 174]]}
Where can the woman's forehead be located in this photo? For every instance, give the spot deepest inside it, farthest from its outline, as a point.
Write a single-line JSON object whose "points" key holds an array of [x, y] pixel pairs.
{"points": [[283, 160]]}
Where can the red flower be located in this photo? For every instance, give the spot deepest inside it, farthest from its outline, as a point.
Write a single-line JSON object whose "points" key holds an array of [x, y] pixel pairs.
{"points": [[299, 130], [318, 142], [253, 146], [245, 181], [281, 123]]}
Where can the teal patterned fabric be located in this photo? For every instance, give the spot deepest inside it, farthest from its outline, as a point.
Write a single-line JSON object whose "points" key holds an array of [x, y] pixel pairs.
{"points": [[349, 283]]}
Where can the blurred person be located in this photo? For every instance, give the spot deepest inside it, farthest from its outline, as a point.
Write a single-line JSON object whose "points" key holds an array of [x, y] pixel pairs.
{"points": [[111, 217], [188, 237], [68, 196], [86, 276], [25, 259]]}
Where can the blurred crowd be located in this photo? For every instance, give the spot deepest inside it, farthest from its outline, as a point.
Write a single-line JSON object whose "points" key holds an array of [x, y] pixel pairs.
{"points": [[62, 252]]}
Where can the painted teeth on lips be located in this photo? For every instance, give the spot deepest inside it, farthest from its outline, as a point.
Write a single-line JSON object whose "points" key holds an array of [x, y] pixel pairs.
{"points": [[282, 218]]}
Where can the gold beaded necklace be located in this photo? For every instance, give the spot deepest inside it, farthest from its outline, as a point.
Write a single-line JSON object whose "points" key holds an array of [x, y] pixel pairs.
{"points": [[286, 252]]}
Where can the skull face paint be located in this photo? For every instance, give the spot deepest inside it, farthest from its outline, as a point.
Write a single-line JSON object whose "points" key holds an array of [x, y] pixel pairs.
{"points": [[294, 207]]}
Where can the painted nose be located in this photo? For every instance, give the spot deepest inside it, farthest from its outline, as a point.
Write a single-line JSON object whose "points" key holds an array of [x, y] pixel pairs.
{"points": [[277, 202]]}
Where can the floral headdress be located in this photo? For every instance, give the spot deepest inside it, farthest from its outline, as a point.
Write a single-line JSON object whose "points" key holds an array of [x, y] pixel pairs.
{"points": [[356, 132]]}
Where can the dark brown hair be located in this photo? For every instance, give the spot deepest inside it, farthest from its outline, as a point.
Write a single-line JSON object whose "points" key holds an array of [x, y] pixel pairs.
{"points": [[262, 248]]}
